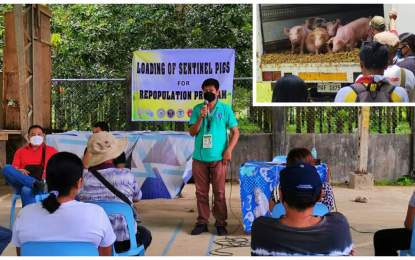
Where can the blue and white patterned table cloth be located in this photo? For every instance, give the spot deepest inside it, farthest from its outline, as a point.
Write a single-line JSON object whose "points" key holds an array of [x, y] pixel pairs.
{"points": [[158, 159], [258, 179]]}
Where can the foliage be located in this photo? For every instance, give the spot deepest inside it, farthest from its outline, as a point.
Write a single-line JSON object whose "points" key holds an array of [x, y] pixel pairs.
{"points": [[345, 120], [3, 8], [97, 40], [402, 181]]}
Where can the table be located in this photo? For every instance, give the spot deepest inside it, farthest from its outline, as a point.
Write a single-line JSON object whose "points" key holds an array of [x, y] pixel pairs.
{"points": [[158, 159], [258, 179]]}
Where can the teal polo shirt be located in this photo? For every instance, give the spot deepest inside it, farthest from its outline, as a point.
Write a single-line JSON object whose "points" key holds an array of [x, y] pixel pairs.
{"points": [[222, 119]]}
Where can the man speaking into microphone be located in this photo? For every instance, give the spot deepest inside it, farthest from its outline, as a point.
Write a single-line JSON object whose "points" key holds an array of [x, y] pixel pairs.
{"points": [[209, 123]]}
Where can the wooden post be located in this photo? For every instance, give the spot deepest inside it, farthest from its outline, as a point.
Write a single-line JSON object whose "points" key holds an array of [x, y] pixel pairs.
{"points": [[24, 108], [37, 67], [131, 126], [364, 121], [279, 133]]}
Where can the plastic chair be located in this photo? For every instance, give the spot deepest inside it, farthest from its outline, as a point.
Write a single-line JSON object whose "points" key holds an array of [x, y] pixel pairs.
{"points": [[280, 158], [58, 249], [38, 198], [112, 207], [319, 210]]}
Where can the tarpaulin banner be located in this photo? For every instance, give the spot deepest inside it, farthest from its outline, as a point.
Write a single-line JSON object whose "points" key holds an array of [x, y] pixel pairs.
{"points": [[167, 84]]}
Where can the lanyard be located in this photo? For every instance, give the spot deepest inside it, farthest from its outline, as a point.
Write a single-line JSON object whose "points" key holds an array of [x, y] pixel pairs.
{"points": [[209, 118]]}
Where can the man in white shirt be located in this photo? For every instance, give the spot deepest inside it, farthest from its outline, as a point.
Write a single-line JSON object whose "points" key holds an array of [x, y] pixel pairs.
{"points": [[399, 77]]}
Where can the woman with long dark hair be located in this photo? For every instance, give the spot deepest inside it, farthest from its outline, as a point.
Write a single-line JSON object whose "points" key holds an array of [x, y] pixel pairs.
{"points": [[60, 217], [290, 88]]}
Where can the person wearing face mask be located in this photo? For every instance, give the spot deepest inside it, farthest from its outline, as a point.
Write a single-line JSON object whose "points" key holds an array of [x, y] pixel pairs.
{"points": [[406, 51], [399, 77], [59, 217], [373, 86], [209, 123], [28, 168]]}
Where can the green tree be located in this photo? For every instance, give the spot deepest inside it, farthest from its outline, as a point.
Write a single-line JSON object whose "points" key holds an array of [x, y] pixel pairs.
{"points": [[98, 40]]}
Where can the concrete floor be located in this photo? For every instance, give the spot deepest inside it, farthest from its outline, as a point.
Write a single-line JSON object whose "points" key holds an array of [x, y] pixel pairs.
{"points": [[170, 221]]}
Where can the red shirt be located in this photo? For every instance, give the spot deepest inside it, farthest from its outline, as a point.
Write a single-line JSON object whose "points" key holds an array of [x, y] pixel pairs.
{"points": [[27, 156], [394, 32]]}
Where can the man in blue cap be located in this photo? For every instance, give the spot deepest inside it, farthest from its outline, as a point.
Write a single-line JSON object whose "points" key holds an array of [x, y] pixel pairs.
{"points": [[299, 232]]}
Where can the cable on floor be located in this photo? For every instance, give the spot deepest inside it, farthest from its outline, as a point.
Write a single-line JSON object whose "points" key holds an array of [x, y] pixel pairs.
{"points": [[227, 242]]}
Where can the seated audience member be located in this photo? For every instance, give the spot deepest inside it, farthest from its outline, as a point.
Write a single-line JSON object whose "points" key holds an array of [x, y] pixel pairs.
{"points": [[399, 77], [373, 86], [304, 155], [29, 166], [388, 241], [290, 88], [120, 161], [60, 217], [299, 232], [406, 51], [104, 148], [5, 238]]}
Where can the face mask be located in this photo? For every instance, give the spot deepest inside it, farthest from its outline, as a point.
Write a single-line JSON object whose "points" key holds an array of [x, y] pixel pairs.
{"points": [[209, 96], [36, 140], [399, 54]]}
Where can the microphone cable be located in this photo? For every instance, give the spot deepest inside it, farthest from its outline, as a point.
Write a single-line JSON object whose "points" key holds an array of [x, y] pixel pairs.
{"points": [[227, 242]]}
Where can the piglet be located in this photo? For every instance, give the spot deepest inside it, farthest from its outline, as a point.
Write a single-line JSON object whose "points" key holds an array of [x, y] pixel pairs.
{"points": [[297, 35], [313, 22], [317, 41], [351, 34], [332, 27]]}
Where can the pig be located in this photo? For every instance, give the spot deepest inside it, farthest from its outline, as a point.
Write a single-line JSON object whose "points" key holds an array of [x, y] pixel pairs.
{"points": [[313, 22], [317, 41], [297, 35], [332, 27], [351, 34]]}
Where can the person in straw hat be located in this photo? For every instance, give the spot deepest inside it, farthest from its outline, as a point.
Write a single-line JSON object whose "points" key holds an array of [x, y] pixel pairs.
{"points": [[104, 148]]}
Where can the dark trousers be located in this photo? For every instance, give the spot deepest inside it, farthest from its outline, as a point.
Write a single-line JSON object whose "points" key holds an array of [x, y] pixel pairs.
{"points": [[388, 241], [143, 237]]}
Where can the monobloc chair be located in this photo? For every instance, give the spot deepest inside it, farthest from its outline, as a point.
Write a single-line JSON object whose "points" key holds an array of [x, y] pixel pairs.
{"points": [[112, 207], [38, 198], [58, 249], [319, 210], [411, 250], [280, 158]]}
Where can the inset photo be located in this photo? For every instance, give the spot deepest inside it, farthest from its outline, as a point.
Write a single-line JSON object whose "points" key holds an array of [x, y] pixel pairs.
{"points": [[335, 53]]}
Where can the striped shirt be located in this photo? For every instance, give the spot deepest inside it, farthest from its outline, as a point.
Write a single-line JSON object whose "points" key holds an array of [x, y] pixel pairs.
{"points": [[124, 181]]}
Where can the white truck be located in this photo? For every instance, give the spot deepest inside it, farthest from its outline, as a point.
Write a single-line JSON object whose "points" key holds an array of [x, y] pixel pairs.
{"points": [[323, 79]]}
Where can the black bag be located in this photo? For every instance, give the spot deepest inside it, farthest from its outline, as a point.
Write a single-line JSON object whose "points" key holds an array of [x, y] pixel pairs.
{"points": [[117, 193], [36, 171]]}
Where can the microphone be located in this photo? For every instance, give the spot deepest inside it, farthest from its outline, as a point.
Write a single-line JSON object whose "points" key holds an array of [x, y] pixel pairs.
{"points": [[205, 104]]}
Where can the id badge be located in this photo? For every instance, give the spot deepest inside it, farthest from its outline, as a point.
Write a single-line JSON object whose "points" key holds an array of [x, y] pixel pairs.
{"points": [[207, 141]]}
